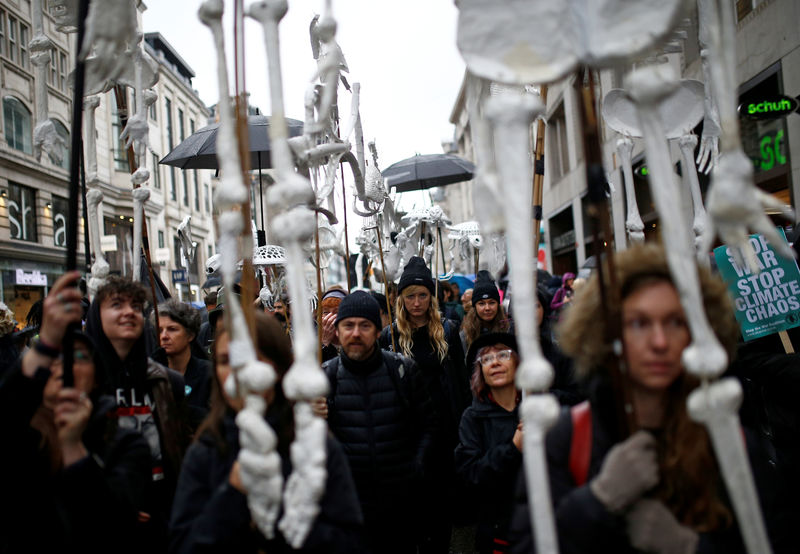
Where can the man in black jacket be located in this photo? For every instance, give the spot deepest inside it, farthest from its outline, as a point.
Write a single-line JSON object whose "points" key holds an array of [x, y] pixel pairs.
{"points": [[380, 411]]}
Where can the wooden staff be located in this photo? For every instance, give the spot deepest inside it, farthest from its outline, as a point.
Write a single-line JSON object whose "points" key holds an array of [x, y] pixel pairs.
{"points": [[538, 176], [247, 283], [609, 292], [122, 109], [385, 283], [68, 345], [319, 294], [346, 240]]}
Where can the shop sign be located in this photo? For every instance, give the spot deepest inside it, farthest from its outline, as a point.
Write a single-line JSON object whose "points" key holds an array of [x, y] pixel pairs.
{"points": [[768, 301], [36, 278], [162, 255], [770, 148], [564, 240], [769, 107], [178, 275], [108, 243]]}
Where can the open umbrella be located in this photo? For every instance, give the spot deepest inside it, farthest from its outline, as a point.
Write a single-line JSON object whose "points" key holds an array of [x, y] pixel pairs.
{"points": [[427, 171], [199, 150]]}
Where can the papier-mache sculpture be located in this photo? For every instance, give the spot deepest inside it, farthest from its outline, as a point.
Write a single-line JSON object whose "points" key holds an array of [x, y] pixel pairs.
{"points": [[260, 465], [292, 197]]}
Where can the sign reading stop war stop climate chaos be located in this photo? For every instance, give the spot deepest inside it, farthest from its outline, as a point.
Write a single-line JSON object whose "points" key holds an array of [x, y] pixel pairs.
{"points": [[766, 302]]}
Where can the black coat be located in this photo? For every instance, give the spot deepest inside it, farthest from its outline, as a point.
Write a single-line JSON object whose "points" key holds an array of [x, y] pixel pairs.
{"points": [[487, 463], [86, 507], [381, 414], [582, 520], [197, 386], [210, 515]]}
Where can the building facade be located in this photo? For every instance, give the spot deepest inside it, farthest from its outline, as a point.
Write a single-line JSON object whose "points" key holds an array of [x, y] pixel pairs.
{"points": [[34, 192], [768, 57]]}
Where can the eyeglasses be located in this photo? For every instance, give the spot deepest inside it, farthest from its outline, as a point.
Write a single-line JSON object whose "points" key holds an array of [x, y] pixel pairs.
{"points": [[503, 356]]}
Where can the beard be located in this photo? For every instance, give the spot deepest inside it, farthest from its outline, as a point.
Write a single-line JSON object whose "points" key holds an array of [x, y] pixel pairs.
{"points": [[358, 351]]}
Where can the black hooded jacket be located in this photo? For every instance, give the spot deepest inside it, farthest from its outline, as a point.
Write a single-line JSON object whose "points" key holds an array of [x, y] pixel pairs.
{"points": [[210, 515], [141, 387], [84, 507]]}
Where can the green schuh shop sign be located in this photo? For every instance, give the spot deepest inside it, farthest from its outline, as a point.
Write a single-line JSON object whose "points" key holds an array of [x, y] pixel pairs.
{"points": [[769, 107]]}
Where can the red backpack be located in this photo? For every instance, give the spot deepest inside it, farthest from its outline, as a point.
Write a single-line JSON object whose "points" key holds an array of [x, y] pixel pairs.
{"points": [[580, 448]]}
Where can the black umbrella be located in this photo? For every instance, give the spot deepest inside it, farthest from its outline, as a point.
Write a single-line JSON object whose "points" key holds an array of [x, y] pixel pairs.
{"points": [[427, 171], [199, 150]]}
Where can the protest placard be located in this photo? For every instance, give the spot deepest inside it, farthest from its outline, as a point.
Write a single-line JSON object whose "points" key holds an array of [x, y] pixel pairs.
{"points": [[768, 301]]}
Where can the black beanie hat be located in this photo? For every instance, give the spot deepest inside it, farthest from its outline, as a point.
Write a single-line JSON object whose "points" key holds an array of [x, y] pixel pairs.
{"points": [[416, 273], [484, 288], [360, 304]]}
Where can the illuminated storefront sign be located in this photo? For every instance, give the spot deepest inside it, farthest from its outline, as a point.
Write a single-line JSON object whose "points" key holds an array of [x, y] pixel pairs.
{"points": [[771, 107]]}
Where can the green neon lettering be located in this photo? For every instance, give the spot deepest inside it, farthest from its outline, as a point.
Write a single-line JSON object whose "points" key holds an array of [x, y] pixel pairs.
{"points": [[767, 156], [779, 158]]}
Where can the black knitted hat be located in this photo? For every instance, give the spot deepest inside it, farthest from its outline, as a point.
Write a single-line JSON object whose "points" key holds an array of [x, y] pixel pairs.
{"points": [[484, 288], [416, 273], [489, 339], [360, 304]]}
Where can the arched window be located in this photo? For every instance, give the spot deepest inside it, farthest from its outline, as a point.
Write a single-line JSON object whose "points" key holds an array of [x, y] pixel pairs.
{"points": [[17, 125], [64, 134]]}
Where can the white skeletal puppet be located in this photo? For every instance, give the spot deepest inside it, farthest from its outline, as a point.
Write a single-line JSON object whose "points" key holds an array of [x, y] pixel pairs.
{"points": [[100, 267], [137, 130], [45, 137], [188, 246], [708, 156], [260, 465], [497, 45], [110, 31], [713, 404], [680, 113], [294, 225], [735, 205]]}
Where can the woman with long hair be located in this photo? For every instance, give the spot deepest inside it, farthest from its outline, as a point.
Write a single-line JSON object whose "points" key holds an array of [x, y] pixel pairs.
{"points": [[658, 489], [489, 453], [421, 334], [210, 512], [487, 314]]}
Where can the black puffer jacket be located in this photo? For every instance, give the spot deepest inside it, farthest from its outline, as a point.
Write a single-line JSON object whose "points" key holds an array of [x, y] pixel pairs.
{"points": [[85, 507], [487, 463], [381, 414], [583, 521], [210, 515]]}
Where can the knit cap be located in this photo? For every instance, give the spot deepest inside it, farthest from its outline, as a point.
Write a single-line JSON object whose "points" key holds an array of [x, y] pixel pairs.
{"points": [[416, 273], [360, 304], [484, 288]]}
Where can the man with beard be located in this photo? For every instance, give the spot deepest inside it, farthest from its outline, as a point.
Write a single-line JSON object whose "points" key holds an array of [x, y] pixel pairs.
{"points": [[379, 410]]}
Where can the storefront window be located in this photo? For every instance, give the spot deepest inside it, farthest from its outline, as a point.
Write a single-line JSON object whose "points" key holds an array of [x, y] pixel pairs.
{"points": [[60, 211], [22, 212]]}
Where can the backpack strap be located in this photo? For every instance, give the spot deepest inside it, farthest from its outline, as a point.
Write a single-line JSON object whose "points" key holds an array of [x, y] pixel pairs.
{"points": [[397, 372], [580, 448]]}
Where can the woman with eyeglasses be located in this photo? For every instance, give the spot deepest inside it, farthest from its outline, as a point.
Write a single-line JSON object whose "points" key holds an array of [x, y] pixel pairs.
{"points": [[488, 455]]}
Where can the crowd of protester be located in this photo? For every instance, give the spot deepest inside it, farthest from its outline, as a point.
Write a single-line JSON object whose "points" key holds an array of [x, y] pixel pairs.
{"points": [[137, 449]]}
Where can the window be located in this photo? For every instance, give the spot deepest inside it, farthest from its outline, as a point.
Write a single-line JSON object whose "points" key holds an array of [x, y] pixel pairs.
{"points": [[60, 211], [156, 173], [207, 199], [557, 144], [161, 239], [180, 125], [22, 212], [173, 192], [57, 76], [14, 38], [120, 152], [196, 193], [168, 108], [64, 134], [210, 251], [191, 126], [185, 188], [178, 251], [154, 110], [17, 125]]}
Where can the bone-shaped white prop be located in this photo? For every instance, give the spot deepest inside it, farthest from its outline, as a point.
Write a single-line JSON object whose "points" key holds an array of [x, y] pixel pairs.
{"points": [[45, 136], [734, 204], [110, 31], [140, 196], [687, 144], [704, 357], [511, 117], [263, 482], [100, 266], [90, 104], [137, 129], [717, 407], [649, 86], [292, 227], [633, 222], [708, 156]]}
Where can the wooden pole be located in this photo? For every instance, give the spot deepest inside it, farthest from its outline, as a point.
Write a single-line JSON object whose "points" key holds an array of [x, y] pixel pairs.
{"points": [[385, 284], [346, 239], [538, 176], [319, 292]]}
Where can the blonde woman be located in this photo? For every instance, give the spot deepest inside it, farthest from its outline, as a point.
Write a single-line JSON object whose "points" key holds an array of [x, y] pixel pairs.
{"points": [[421, 334]]}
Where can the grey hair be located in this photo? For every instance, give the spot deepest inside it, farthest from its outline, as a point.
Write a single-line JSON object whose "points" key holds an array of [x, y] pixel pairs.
{"points": [[182, 313]]}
